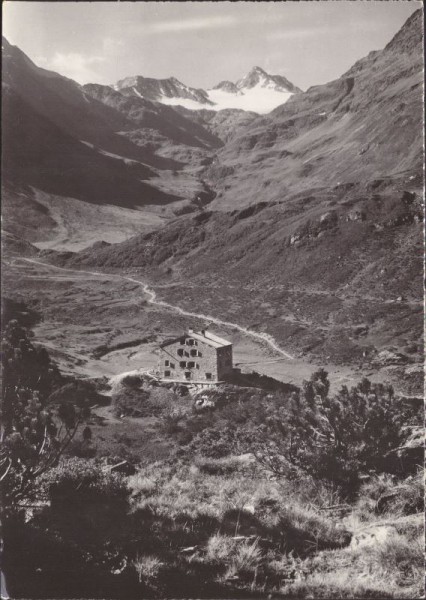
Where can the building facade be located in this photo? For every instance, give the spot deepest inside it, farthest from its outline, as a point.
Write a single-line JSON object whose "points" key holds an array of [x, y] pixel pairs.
{"points": [[198, 357]]}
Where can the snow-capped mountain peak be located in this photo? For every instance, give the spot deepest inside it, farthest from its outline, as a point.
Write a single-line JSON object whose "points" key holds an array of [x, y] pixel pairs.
{"points": [[258, 77], [257, 92]]}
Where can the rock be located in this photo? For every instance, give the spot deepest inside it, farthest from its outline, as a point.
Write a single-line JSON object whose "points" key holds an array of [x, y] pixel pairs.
{"points": [[124, 467], [372, 536], [189, 550], [356, 215], [249, 508], [361, 330], [204, 401], [408, 197], [389, 357]]}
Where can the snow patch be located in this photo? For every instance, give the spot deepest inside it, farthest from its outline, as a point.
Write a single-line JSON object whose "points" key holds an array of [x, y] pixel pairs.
{"points": [[261, 98], [185, 102], [136, 92], [258, 99]]}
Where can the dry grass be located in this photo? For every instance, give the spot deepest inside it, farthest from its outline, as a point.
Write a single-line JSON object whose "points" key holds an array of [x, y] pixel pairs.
{"points": [[219, 548], [399, 561], [392, 569], [147, 568], [383, 495]]}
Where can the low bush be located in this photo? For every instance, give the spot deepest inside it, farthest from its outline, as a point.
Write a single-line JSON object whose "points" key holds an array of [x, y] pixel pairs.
{"points": [[132, 381], [385, 495], [83, 481], [130, 402]]}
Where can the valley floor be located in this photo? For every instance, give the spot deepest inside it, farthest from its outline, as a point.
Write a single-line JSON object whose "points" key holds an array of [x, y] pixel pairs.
{"points": [[99, 325]]}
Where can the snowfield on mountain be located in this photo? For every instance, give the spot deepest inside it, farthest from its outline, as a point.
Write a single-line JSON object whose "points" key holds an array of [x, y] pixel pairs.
{"points": [[257, 92]]}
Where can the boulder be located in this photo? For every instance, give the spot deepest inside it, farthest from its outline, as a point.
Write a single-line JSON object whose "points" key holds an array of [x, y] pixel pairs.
{"points": [[410, 454]]}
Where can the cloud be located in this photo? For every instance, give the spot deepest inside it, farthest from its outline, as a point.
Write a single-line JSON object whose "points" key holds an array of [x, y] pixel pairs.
{"points": [[73, 65], [297, 34], [334, 30], [110, 45], [191, 24]]}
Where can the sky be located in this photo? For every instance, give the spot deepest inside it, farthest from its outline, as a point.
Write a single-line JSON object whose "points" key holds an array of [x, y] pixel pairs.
{"points": [[202, 43]]}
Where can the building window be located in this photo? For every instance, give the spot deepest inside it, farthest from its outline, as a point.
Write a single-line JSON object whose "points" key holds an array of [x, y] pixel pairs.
{"points": [[195, 353], [208, 375], [167, 363], [191, 365], [172, 365], [166, 373], [187, 374], [182, 364], [192, 342], [182, 342], [180, 352]]}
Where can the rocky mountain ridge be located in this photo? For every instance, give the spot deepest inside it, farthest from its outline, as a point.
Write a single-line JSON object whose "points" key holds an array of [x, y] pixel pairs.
{"points": [[257, 91]]}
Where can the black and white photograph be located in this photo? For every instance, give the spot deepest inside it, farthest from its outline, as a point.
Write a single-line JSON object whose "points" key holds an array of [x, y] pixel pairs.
{"points": [[212, 300]]}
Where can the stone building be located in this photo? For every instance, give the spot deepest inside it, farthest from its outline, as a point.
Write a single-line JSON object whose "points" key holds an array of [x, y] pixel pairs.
{"points": [[197, 357]]}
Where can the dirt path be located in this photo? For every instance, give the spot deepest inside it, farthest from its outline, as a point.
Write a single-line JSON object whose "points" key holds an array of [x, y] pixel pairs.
{"points": [[152, 299], [252, 349]]}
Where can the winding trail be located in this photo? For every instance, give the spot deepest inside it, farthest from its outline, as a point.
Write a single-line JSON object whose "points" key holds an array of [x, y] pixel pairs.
{"points": [[152, 299]]}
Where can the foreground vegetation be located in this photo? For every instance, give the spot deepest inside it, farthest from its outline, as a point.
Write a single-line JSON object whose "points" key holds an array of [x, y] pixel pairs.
{"points": [[256, 490]]}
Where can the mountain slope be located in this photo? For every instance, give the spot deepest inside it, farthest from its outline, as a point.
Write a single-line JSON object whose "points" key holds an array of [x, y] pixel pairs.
{"points": [[58, 138], [143, 114], [92, 144], [167, 91], [40, 154], [363, 125]]}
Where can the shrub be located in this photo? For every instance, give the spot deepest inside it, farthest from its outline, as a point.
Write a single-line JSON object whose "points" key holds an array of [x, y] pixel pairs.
{"points": [[214, 443], [330, 438], [39, 420], [78, 481], [130, 402], [132, 381]]}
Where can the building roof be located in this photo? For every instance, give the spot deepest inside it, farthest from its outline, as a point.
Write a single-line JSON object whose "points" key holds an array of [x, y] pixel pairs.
{"points": [[204, 336]]}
